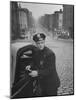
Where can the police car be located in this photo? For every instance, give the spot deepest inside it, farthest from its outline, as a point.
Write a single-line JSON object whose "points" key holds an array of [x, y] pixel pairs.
{"points": [[24, 59]]}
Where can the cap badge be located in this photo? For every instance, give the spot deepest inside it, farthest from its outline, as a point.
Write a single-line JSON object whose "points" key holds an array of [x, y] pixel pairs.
{"points": [[38, 35]]}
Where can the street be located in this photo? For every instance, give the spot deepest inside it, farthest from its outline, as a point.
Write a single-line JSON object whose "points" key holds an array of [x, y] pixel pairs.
{"points": [[64, 63]]}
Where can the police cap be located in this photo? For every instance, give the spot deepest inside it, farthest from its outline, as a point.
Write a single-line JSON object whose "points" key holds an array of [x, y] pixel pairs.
{"points": [[39, 36]]}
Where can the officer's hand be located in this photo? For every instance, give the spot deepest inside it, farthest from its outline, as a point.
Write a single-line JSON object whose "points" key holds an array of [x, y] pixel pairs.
{"points": [[33, 73], [28, 68]]}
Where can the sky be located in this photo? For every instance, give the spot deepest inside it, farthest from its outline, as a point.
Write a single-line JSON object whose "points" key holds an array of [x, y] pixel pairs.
{"points": [[41, 9]]}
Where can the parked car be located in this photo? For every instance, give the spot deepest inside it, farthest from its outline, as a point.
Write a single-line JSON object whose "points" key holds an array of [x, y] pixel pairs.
{"points": [[62, 34], [19, 60]]}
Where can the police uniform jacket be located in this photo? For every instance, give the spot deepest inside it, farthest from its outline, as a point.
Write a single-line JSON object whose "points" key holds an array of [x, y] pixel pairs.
{"points": [[44, 62]]}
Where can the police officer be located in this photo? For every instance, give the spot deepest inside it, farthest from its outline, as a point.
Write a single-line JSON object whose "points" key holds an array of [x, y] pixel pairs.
{"points": [[44, 67], [45, 80]]}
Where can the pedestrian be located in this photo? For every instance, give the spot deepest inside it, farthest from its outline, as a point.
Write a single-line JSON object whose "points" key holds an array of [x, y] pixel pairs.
{"points": [[45, 68]]}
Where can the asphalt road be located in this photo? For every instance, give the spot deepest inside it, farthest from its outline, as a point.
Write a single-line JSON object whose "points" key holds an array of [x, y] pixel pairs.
{"points": [[64, 63]]}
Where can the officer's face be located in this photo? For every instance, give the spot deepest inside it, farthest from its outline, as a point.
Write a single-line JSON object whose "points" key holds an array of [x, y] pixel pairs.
{"points": [[40, 44]]}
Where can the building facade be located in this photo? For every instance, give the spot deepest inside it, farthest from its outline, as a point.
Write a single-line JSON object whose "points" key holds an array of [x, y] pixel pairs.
{"points": [[14, 20], [68, 19], [23, 21], [51, 22], [58, 20], [26, 22]]}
